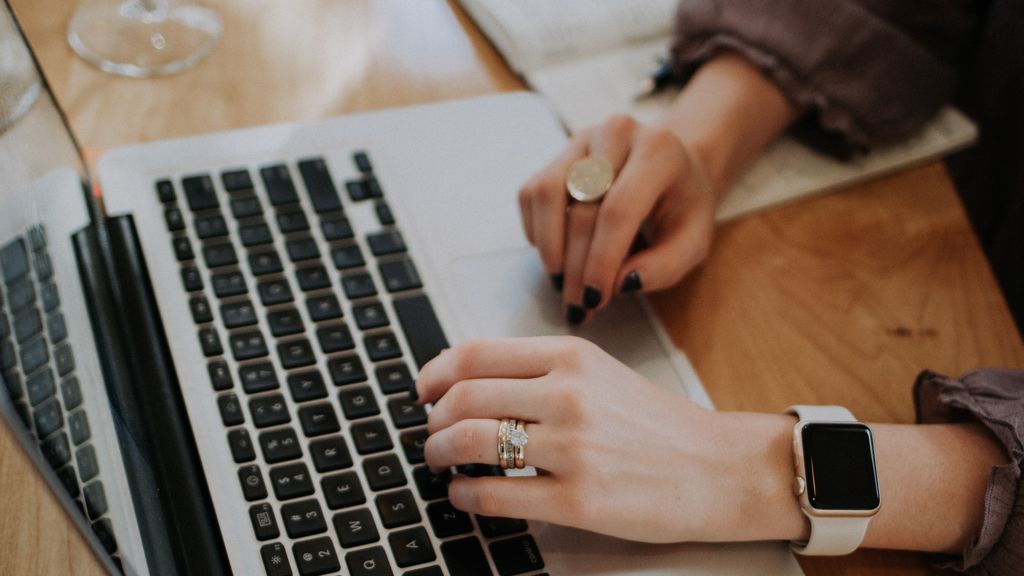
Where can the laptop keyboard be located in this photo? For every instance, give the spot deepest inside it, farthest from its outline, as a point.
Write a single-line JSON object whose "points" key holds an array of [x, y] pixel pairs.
{"points": [[39, 368], [312, 379]]}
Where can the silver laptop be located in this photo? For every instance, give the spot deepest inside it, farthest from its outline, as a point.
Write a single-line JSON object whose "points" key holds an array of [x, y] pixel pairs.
{"points": [[211, 365]]}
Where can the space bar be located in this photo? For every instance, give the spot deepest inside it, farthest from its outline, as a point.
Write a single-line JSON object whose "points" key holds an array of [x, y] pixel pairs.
{"points": [[422, 330]]}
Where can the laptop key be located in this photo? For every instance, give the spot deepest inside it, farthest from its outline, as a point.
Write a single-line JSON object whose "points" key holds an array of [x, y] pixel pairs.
{"points": [[431, 571], [230, 410], [322, 193], [201, 312], [494, 527], [88, 466], [394, 378], [71, 392], [289, 222], [275, 292], [400, 275], [265, 263], [291, 481], [371, 436], [411, 547], [278, 182], [199, 192], [368, 562], [8, 357], [386, 242], [422, 329], [182, 249], [362, 161], [358, 286], [315, 557], [465, 557], [313, 278], [165, 191], [255, 235], [370, 315], [275, 560], [280, 445], [357, 190], [37, 238], [57, 450], [355, 527], [56, 328], [219, 255], [269, 411], [241, 446], [40, 386], [383, 346], [324, 307], [301, 249], [296, 354], [251, 480], [347, 256], [285, 322], [104, 530], [211, 227], [383, 472], [210, 342], [431, 486], [398, 509], [307, 385], [246, 207], [516, 555], [384, 214], [64, 359], [236, 180], [330, 454], [227, 284], [191, 278], [446, 521], [69, 478], [238, 314], [263, 522], [318, 419], [175, 221], [335, 338], [413, 442], [404, 413], [43, 266], [78, 426], [336, 228], [95, 500], [49, 296], [358, 403], [12, 378], [220, 376], [14, 261], [342, 490], [303, 518], [248, 345], [346, 370]]}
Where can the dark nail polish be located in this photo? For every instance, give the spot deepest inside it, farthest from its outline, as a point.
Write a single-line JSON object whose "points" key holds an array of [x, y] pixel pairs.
{"points": [[557, 280], [591, 297], [575, 315], [631, 283], [413, 394]]}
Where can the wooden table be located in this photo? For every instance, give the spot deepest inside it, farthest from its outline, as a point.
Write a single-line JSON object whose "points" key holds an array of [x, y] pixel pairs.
{"points": [[840, 299]]}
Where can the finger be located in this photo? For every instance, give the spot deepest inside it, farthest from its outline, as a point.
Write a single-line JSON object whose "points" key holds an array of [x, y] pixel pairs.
{"points": [[526, 497], [500, 358], [496, 398], [652, 168], [548, 200], [612, 141], [475, 441], [581, 218], [525, 212], [668, 260]]}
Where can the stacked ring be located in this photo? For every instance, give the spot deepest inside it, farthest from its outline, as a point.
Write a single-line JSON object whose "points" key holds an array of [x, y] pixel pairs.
{"points": [[503, 445], [512, 440]]}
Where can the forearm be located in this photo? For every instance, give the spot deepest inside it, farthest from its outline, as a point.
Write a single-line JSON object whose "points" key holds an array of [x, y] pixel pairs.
{"points": [[932, 480], [726, 114]]}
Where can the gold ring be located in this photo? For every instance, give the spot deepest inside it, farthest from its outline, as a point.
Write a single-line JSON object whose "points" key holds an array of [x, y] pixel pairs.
{"points": [[518, 438], [503, 445], [589, 179]]}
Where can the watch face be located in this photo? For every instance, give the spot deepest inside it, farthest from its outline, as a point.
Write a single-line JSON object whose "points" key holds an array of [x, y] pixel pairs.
{"points": [[839, 461]]}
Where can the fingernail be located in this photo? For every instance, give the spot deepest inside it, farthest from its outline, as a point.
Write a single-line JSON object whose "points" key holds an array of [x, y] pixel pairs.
{"points": [[557, 280], [575, 315], [413, 394], [591, 297], [631, 283]]}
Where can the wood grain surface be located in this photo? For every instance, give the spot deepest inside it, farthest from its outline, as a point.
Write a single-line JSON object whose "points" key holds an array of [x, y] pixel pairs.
{"points": [[840, 299]]}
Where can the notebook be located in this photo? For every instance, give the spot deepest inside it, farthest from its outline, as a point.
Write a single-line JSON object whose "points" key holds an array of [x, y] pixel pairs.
{"points": [[210, 364], [588, 59]]}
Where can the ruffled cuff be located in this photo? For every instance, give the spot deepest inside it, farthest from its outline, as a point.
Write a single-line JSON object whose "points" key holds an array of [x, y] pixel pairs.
{"points": [[864, 80], [994, 398]]}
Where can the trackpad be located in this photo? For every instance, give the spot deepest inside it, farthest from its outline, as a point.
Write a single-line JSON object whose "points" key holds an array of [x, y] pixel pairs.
{"points": [[507, 293]]}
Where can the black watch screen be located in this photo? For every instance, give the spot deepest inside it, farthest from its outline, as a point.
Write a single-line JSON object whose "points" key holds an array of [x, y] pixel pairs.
{"points": [[839, 461]]}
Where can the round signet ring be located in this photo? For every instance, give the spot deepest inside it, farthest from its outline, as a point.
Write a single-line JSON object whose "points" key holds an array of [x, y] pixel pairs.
{"points": [[589, 179]]}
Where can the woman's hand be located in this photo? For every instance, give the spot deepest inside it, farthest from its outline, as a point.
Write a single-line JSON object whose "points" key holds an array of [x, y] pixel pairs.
{"points": [[615, 453], [659, 190]]}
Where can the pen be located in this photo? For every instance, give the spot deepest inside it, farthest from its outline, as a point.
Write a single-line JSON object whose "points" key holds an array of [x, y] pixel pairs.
{"points": [[656, 80]]}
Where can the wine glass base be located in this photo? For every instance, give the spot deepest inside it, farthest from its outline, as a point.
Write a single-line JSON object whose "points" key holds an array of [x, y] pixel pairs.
{"points": [[129, 40]]}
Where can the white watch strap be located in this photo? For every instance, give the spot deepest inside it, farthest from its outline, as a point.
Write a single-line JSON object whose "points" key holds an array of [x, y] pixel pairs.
{"points": [[830, 535]]}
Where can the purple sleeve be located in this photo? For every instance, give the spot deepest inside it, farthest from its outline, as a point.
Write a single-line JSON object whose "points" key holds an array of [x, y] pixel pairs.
{"points": [[995, 398], [868, 71]]}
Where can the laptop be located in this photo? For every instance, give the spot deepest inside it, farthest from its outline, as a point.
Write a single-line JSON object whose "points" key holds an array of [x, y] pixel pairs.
{"points": [[209, 363]]}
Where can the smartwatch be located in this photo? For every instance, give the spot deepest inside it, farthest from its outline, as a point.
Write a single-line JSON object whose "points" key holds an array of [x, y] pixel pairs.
{"points": [[835, 478]]}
